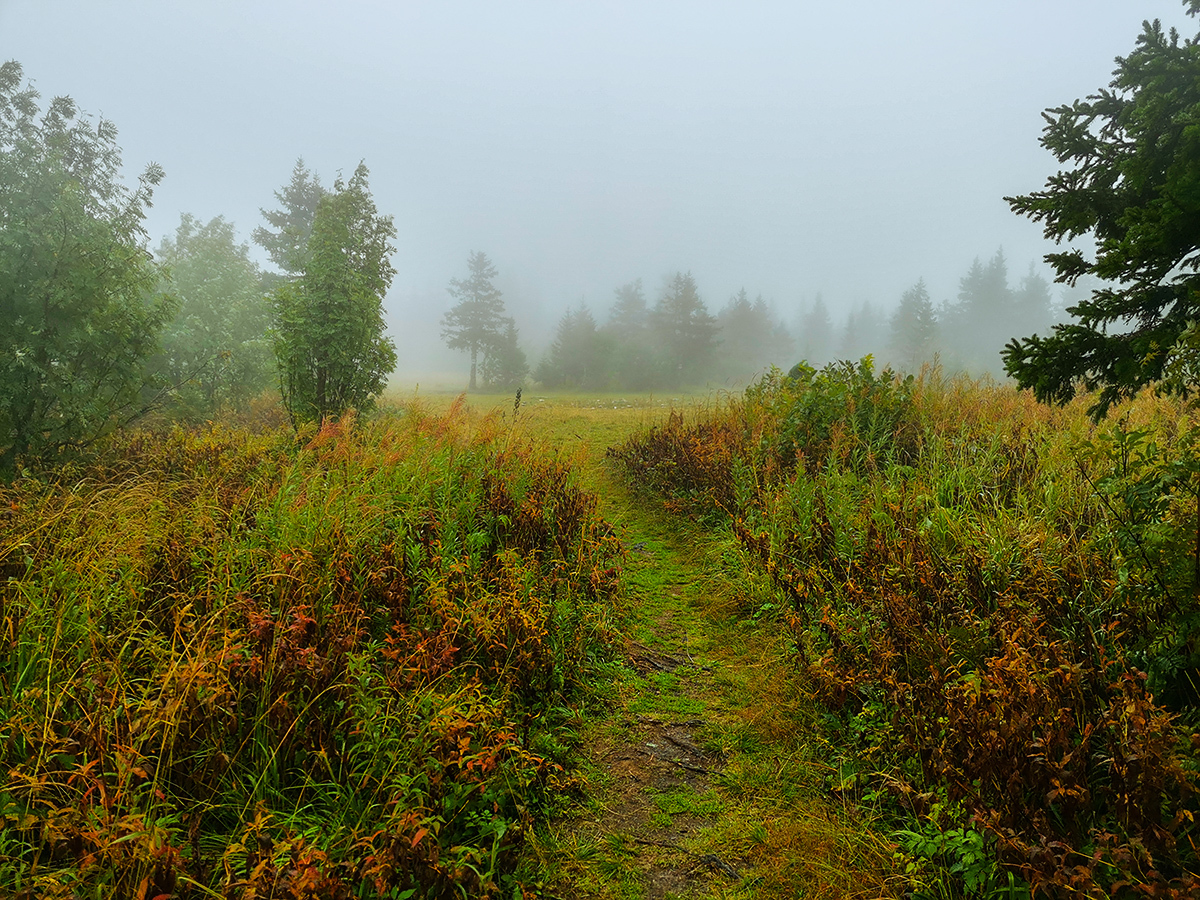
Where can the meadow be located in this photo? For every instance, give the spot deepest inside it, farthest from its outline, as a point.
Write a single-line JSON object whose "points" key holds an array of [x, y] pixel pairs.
{"points": [[928, 637], [252, 663], [993, 603]]}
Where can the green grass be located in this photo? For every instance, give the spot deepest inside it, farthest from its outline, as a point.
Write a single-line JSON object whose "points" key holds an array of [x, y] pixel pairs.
{"points": [[236, 659], [948, 568]]}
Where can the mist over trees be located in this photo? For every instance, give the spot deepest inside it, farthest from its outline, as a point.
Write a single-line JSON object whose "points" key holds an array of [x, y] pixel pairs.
{"points": [[99, 330], [80, 299], [329, 330], [214, 352]]}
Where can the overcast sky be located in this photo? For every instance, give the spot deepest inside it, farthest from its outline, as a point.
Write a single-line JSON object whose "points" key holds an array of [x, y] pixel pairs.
{"points": [[787, 147]]}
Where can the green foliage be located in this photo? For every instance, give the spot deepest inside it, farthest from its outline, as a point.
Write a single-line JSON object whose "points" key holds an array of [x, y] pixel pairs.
{"points": [[251, 666], [476, 323], [1132, 153], [287, 244], [504, 363], [684, 332], [1152, 495], [966, 854], [975, 591], [78, 292], [329, 328], [844, 409], [215, 352]]}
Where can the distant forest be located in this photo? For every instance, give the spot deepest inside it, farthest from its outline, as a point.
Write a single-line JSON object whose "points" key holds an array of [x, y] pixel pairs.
{"points": [[676, 341]]}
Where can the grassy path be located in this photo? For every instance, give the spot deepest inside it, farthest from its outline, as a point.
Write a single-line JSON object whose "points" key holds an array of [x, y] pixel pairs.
{"points": [[704, 778], [707, 783]]}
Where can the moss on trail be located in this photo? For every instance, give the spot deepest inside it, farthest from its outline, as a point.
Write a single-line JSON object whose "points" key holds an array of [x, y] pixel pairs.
{"points": [[703, 777]]}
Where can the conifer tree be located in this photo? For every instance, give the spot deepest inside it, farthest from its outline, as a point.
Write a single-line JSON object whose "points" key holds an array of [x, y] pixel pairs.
{"points": [[329, 328], [914, 327], [476, 322], [684, 331], [286, 242], [1131, 156]]}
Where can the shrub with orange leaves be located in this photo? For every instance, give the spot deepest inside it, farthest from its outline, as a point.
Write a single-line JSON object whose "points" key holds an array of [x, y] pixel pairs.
{"points": [[269, 665]]}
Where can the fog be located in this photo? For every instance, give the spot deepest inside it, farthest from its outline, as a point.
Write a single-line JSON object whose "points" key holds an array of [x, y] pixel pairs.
{"points": [[790, 149]]}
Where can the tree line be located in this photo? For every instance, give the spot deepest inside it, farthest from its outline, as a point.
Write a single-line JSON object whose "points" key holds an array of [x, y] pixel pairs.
{"points": [[675, 341]]}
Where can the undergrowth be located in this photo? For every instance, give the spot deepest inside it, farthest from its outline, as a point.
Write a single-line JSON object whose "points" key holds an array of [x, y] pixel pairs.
{"points": [[995, 603], [337, 665]]}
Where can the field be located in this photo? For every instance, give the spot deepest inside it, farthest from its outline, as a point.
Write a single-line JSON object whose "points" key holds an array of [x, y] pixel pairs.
{"points": [[995, 604], [842, 635]]}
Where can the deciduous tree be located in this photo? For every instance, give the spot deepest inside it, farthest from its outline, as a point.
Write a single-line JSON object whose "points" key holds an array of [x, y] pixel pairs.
{"points": [[79, 302], [215, 351]]}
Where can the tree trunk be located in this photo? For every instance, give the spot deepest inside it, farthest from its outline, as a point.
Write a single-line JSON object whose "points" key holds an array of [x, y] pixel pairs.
{"points": [[471, 386]]}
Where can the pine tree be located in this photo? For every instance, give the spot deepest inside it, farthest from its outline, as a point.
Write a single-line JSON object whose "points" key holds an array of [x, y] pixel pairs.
{"points": [[1131, 156], [292, 224], [504, 362], [914, 327], [477, 321], [578, 356], [632, 362], [982, 320], [684, 331], [816, 334], [329, 328]]}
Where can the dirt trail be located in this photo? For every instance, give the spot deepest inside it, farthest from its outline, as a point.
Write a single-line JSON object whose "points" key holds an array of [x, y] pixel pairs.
{"points": [[705, 777], [660, 800], [700, 783]]}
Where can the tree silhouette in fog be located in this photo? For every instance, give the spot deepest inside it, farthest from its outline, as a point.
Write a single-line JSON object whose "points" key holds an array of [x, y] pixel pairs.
{"points": [[476, 323]]}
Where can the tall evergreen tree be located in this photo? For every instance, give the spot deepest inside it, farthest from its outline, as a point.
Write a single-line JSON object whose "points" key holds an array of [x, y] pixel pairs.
{"points": [[578, 356], [816, 338], [287, 240], [751, 337], [329, 328], [633, 364], [982, 320], [476, 321], [1131, 156], [1033, 307], [914, 328], [504, 362], [629, 316], [684, 331]]}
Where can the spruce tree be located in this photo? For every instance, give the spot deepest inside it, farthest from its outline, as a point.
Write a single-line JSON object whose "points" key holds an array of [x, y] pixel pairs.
{"points": [[476, 321]]}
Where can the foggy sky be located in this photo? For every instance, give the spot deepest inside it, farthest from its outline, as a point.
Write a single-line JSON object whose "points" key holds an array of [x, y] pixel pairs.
{"points": [[787, 147]]}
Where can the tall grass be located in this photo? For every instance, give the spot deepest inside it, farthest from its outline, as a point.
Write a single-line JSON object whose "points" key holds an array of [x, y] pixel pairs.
{"points": [[994, 600], [249, 665]]}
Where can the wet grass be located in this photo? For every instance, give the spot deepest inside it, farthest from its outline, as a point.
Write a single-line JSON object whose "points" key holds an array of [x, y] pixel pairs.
{"points": [[764, 808]]}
